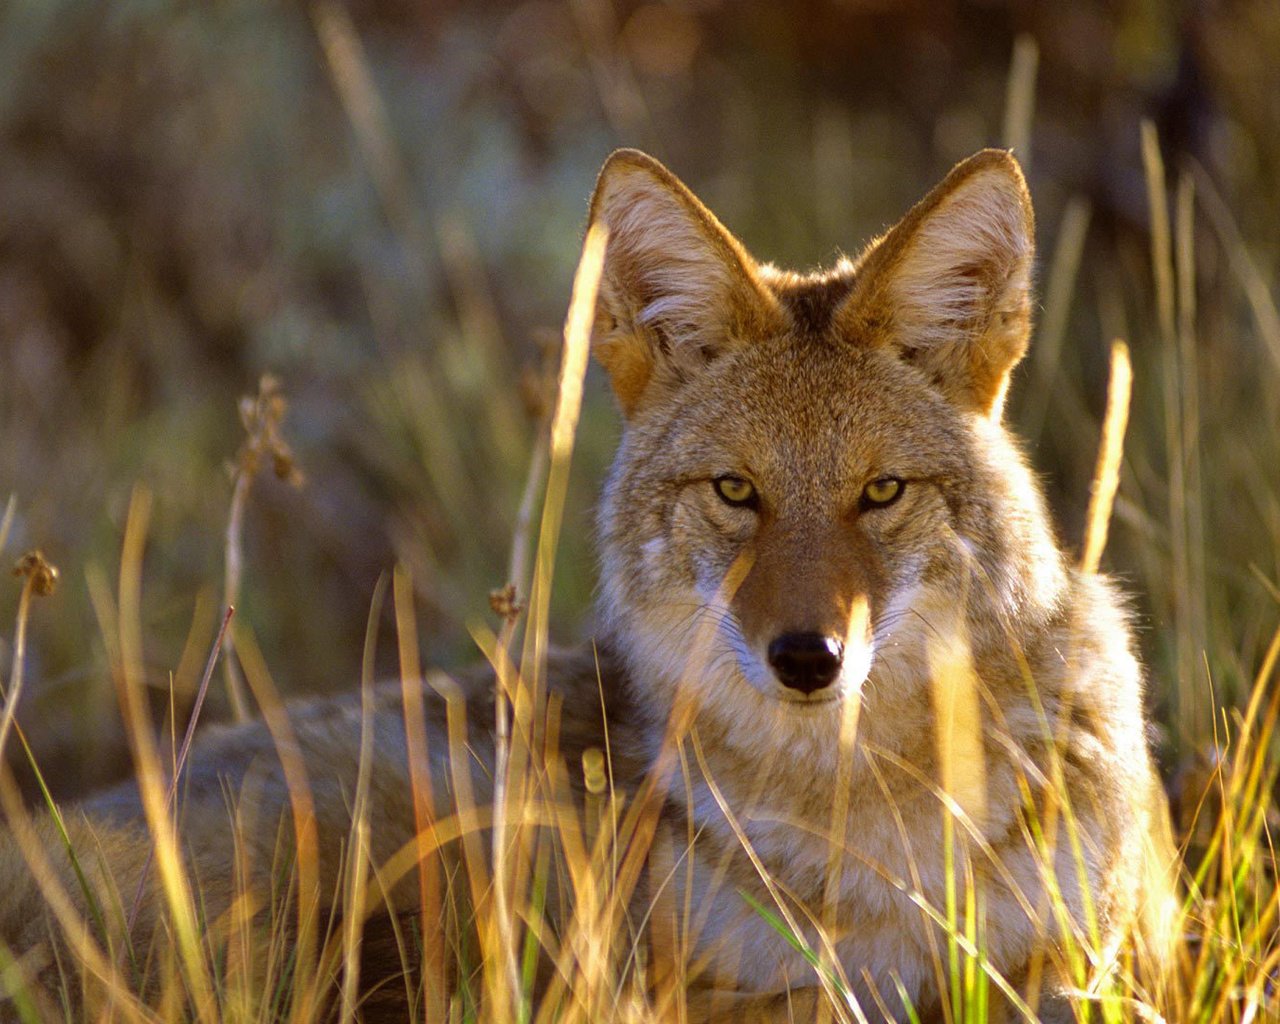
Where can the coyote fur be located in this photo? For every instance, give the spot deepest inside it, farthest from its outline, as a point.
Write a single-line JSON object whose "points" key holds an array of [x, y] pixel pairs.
{"points": [[829, 581]]}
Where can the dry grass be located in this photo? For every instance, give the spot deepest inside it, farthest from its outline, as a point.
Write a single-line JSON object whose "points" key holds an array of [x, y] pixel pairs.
{"points": [[257, 962], [540, 878]]}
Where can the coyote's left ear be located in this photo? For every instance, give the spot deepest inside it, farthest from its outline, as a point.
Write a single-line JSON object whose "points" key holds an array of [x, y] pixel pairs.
{"points": [[949, 286]]}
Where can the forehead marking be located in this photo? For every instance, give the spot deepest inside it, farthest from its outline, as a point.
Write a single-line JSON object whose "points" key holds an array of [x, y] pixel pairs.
{"points": [[811, 303]]}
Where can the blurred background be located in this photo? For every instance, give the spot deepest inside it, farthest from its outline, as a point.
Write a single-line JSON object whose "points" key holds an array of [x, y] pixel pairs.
{"points": [[380, 202]]}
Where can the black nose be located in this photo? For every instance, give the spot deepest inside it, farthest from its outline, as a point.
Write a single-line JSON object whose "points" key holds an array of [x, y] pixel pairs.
{"points": [[806, 661]]}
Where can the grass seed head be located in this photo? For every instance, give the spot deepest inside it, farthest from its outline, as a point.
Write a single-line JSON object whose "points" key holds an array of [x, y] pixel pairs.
{"points": [[503, 602], [42, 573]]}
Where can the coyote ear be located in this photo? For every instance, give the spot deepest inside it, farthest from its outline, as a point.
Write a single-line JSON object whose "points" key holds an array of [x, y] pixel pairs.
{"points": [[677, 289], [949, 286]]}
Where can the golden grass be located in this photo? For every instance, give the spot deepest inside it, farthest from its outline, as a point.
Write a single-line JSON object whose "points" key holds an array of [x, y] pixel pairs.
{"points": [[535, 830], [1106, 477], [537, 877]]}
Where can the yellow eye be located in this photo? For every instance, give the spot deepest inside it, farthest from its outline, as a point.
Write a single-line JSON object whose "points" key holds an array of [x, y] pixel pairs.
{"points": [[884, 491], [733, 490]]}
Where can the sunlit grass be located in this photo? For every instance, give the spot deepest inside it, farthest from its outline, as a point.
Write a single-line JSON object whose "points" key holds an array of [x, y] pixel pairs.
{"points": [[261, 960], [545, 878], [522, 905]]}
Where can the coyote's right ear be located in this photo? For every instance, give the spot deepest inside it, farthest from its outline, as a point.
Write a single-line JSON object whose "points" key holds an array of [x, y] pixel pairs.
{"points": [[949, 286], [677, 291]]}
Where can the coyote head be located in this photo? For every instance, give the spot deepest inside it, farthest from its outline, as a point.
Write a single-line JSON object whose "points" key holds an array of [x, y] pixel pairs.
{"points": [[813, 475]]}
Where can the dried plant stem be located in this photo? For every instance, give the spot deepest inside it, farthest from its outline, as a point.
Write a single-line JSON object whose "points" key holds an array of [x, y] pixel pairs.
{"points": [[127, 670], [522, 538], [262, 417], [564, 424], [615, 80], [513, 751], [1263, 305], [1106, 477], [1161, 236], [424, 809], [1020, 98], [11, 507], [233, 570], [19, 657], [305, 989], [467, 807], [507, 684], [843, 788], [1189, 409], [358, 855], [345, 58], [1190, 707], [39, 578], [1046, 354], [181, 759]]}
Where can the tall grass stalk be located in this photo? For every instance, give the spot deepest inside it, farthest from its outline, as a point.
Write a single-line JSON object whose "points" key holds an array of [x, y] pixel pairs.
{"points": [[304, 994], [430, 906], [1186, 632], [1044, 389], [31, 585], [357, 850], [180, 758], [1106, 477], [6, 521], [1020, 98], [127, 672]]}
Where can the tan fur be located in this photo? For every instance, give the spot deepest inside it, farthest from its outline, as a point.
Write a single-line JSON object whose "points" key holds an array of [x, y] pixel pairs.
{"points": [[954, 605]]}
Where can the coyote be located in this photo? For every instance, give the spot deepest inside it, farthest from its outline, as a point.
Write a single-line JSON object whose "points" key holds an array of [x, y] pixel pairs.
{"points": [[830, 583]]}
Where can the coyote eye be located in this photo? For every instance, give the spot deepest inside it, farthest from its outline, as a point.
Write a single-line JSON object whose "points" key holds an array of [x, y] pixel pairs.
{"points": [[733, 490], [882, 492]]}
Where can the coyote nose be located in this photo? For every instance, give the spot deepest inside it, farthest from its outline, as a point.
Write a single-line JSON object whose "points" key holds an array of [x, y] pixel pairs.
{"points": [[806, 661]]}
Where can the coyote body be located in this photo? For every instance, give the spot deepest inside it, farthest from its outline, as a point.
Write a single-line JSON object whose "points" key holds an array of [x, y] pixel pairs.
{"points": [[832, 605]]}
